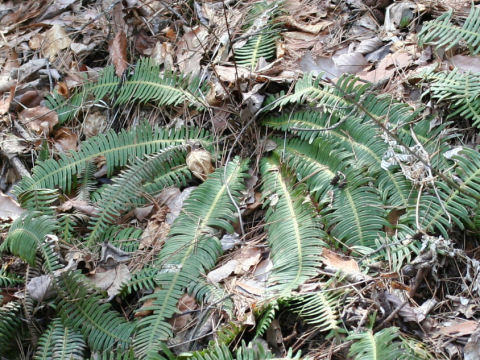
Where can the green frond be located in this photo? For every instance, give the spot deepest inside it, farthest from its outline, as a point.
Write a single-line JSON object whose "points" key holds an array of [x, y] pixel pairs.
{"points": [[66, 227], [205, 292], [127, 190], [266, 317], [294, 236], [147, 84], [357, 213], [441, 206], [10, 323], [39, 200], [117, 148], [143, 279], [87, 182], [26, 235], [191, 248], [126, 239], [379, 346], [460, 90], [7, 279], [84, 311], [320, 309], [60, 342], [262, 42], [442, 33]]}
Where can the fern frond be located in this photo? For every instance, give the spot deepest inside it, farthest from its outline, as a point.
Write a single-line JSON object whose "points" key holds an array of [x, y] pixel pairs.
{"points": [[7, 280], [148, 83], [262, 42], [205, 292], [60, 342], [382, 345], [191, 247], [26, 235], [460, 90], [117, 148], [358, 216], [443, 208], [10, 323], [127, 190], [143, 279], [294, 236], [266, 317], [102, 328], [441, 32], [41, 200], [126, 239]]}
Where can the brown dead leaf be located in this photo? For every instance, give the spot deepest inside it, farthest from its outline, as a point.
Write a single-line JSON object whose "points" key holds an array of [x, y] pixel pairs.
{"points": [[251, 286], [457, 328], [56, 39], [466, 63], [111, 280], [290, 21], [156, 231], [39, 119], [9, 208], [185, 304], [337, 262], [79, 205], [199, 162], [190, 50], [65, 139], [163, 53], [11, 63], [118, 51], [246, 258], [387, 67], [145, 309], [230, 74], [94, 123], [30, 99], [222, 272], [5, 102]]}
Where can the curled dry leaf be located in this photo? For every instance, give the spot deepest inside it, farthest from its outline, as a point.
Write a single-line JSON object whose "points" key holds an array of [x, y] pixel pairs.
{"points": [[39, 119], [65, 139], [118, 51], [94, 123], [199, 162], [185, 304], [112, 280], [9, 208], [11, 63], [56, 39], [290, 21], [6, 101]]}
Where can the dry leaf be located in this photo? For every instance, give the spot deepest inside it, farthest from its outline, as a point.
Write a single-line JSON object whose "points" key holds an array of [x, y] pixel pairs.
{"points": [[56, 39], [222, 272], [246, 258], [145, 309], [156, 231], [230, 74], [94, 124], [65, 139], [11, 63], [387, 67], [457, 328], [39, 119], [290, 21], [185, 304], [199, 162], [118, 51], [112, 280], [40, 288], [190, 50], [9, 208], [5, 102], [335, 261]]}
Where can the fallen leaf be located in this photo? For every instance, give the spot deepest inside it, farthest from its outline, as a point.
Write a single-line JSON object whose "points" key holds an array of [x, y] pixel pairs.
{"points": [[56, 39], [175, 204], [199, 162], [156, 231], [337, 262], [228, 241], [40, 288], [39, 119], [9, 208], [252, 286], [350, 63], [5, 102], [118, 51], [222, 272], [65, 139], [246, 258], [185, 304], [111, 280], [387, 67], [162, 54], [466, 63], [30, 99], [231, 74], [457, 328], [11, 63], [94, 123], [290, 21]]}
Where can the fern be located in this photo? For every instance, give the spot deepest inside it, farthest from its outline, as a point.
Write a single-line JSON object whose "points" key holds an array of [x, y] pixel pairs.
{"points": [[59, 342], [441, 33], [143, 86], [294, 236], [460, 90], [191, 247], [441, 206], [7, 280], [382, 345], [320, 308], [262, 42], [102, 328], [26, 235], [127, 190], [10, 323], [117, 148], [266, 317]]}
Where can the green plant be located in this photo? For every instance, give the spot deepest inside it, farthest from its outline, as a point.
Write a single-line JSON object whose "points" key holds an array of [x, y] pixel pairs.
{"points": [[381, 345], [441, 33]]}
